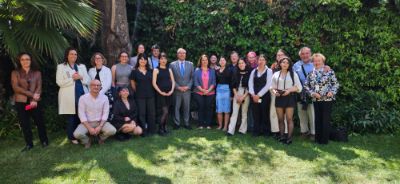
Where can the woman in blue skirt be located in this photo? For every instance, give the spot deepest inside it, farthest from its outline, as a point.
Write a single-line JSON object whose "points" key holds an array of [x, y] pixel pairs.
{"points": [[223, 102]]}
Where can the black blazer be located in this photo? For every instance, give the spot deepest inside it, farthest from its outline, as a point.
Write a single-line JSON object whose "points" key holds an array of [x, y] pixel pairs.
{"points": [[120, 112]]}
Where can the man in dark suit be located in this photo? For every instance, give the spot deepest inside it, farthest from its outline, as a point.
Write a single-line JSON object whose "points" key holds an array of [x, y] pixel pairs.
{"points": [[183, 74]]}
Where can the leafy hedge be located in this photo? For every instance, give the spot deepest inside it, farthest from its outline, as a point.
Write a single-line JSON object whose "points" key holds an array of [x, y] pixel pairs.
{"points": [[361, 40]]}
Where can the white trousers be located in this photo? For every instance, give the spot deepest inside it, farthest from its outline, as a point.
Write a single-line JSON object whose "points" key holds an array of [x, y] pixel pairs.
{"points": [[307, 118], [235, 113]]}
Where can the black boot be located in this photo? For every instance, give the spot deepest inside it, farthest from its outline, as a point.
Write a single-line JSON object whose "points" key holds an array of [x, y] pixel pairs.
{"points": [[165, 128], [161, 130]]}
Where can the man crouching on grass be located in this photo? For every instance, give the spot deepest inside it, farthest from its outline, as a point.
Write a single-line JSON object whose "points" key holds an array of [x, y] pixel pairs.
{"points": [[93, 112]]}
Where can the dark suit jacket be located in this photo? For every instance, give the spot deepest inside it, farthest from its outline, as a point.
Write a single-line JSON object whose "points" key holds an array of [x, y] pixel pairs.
{"points": [[120, 112], [187, 78]]}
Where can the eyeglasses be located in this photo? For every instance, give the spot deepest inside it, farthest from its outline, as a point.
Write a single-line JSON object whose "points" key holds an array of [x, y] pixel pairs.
{"points": [[95, 85]]}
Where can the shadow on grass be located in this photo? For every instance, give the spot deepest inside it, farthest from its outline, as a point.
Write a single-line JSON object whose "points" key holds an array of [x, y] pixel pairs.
{"points": [[197, 148], [72, 163]]}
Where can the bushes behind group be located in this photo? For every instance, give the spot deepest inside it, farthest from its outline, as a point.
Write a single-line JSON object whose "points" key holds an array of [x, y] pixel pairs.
{"points": [[361, 40]]}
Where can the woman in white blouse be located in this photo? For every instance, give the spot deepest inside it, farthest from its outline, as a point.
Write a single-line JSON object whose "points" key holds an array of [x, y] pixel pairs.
{"points": [[100, 72], [285, 83], [259, 85]]}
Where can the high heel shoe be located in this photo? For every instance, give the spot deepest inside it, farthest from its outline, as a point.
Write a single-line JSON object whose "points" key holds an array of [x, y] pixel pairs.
{"points": [[282, 139], [288, 141]]}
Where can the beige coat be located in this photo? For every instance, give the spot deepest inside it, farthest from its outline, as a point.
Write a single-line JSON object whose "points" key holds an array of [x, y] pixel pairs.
{"points": [[66, 94]]}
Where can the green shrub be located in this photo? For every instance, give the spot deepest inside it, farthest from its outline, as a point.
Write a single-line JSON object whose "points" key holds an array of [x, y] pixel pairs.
{"points": [[9, 121], [361, 40]]}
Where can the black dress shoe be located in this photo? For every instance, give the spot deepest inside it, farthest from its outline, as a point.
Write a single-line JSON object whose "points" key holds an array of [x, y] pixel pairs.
{"points": [[176, 127], [161, 132], [282, 139], [276, 136], [256, 134], [120, 136], [288, 141], [45, 144], [228, 134], [188, 127], [127, 136], [165, 131], [27, 148]]}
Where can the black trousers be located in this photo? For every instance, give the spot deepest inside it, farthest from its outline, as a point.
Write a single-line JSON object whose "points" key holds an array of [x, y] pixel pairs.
{"points": [[25, 116], [72, 123], [322, 111], [147, 114], [204, 108], [262, 123]]}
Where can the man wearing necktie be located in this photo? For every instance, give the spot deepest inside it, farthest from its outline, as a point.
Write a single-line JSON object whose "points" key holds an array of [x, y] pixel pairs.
{"points": [[183, 74]]}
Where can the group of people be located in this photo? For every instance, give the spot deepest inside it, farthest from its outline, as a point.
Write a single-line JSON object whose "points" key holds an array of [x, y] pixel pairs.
{"points": [[136, 95]]}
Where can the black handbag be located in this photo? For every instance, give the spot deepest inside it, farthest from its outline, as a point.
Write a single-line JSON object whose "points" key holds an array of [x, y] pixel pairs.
{"points": [[339, 134]]}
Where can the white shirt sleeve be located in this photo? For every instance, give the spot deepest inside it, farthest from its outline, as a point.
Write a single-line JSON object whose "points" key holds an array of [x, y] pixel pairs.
{"points": [[106, 109], [268, 84], [274, 80], [106, 81], [297, 82], [251, 82]]}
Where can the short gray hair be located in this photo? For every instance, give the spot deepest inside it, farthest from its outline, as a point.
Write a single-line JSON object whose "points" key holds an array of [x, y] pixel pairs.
{"points": [[304, 48], [180, 50]]}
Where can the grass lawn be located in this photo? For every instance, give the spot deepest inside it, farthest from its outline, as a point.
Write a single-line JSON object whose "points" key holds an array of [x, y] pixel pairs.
{"points": [[203, 156]]}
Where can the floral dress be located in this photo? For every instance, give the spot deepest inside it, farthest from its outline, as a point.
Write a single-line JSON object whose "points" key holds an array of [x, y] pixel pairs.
{"points": [[322, 83]]}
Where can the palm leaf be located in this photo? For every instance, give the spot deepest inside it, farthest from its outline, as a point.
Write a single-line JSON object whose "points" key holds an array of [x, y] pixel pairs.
{"points": [[37, 26]]}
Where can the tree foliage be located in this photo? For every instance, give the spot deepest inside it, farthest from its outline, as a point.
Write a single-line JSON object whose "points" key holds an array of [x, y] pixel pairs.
{"points": [[361, 40], [44, 27]]}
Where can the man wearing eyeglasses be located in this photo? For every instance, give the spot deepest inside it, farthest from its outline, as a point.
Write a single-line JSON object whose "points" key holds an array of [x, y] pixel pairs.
{"points": [[93, 112]]}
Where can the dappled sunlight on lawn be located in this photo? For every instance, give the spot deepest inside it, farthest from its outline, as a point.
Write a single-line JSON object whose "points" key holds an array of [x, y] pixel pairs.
{"points": [[204, 156]]}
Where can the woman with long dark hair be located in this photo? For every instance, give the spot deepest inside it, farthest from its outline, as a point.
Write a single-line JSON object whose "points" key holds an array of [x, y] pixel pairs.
{"points": [[272, 115], [164, 84], [241, 98], [73, 79], [26, 81], [141, 83], [223, 94], [285, 83]]}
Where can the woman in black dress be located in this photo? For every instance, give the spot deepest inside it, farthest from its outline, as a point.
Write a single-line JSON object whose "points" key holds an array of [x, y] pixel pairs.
{"points": [[141, 83], [125, 115], [164, 84]]}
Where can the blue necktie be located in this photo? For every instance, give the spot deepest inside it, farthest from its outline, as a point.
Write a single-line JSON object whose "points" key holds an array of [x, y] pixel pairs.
{"points": [[182, 69]]}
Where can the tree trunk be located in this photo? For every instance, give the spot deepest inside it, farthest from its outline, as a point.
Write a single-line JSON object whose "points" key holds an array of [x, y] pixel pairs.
{"points": [[115, 29]]}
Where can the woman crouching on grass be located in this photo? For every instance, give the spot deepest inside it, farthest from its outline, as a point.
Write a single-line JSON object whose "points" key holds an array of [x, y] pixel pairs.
{"points": [[125, 115]]}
